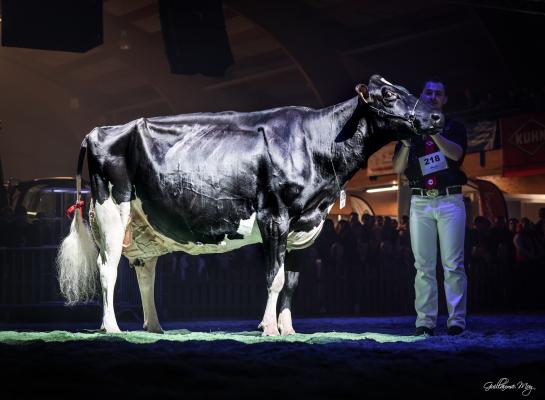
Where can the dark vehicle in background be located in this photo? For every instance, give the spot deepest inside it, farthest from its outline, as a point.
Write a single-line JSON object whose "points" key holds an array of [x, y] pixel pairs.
{"points": [[36, 212]]}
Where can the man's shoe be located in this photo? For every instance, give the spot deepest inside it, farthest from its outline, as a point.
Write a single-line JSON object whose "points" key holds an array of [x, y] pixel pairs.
{"points": [[454, 330], [423, 330]]}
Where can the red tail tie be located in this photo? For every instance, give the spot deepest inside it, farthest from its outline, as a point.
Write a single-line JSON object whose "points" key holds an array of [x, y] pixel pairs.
{"points": [[73, 208]]}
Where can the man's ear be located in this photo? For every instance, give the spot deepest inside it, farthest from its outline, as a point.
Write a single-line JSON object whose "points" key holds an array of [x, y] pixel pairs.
{"points": [[363, 92], [445, 100]]}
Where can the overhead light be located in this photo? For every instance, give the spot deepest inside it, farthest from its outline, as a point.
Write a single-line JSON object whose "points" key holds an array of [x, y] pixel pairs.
{"points": [[382, 189]]}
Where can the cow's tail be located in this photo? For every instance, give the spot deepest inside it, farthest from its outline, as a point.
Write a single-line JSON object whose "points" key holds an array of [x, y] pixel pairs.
{"points": [[77, 268]]}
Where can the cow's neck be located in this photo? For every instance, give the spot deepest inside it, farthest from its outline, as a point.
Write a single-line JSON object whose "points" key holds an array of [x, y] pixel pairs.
{"points": [[346, 157]]}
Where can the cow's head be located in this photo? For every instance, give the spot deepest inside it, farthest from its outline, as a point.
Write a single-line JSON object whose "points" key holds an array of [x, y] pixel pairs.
{"points": [[396, 110]]}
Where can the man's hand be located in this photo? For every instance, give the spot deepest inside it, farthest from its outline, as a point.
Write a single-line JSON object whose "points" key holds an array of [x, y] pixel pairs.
{"points": [[449, 148]]}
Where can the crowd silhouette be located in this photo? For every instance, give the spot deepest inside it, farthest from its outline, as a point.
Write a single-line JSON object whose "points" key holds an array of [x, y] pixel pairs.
{"points": [[357, 266], [366, 267]]}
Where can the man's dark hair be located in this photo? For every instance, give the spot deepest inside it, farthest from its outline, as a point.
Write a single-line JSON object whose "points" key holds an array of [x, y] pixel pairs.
{"points": [[435, 79]]}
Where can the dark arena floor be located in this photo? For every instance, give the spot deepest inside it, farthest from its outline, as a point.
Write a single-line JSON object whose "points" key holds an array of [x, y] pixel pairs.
{"points": [[499, 356]]}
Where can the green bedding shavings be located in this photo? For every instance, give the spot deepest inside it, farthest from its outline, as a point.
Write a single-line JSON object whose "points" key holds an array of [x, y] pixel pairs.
{"points": [[13, 337]]}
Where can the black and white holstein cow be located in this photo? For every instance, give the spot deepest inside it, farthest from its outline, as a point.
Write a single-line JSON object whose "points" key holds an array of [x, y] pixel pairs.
{"points": [[213, 182]]}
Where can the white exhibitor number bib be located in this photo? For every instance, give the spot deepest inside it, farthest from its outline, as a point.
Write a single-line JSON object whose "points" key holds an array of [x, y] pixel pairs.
{"points": [[434, 162]]}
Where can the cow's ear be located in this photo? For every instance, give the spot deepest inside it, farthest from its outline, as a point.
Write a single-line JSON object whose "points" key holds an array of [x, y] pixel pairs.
{"points": [[363, 92]]}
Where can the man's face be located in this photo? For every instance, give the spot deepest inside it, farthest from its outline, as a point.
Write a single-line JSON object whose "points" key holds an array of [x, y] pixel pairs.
{"points": [[434, 95]]}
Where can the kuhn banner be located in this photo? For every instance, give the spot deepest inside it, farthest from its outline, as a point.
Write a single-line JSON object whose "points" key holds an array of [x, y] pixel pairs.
{"points": [[523, 143]]}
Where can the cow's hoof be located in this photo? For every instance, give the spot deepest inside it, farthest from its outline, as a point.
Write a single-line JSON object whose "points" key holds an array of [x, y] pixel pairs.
{"points": [[154, 329], [270, 330], [284, 323], [287, 332], [110, 328]]}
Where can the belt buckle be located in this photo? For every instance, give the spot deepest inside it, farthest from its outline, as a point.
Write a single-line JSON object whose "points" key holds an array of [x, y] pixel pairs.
{"points": [[432, 193]]}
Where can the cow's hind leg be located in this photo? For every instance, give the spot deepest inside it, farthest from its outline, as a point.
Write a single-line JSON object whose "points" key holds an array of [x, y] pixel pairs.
{"points": [[274, 232], [111, 219], [291, 280], [145, 272]]}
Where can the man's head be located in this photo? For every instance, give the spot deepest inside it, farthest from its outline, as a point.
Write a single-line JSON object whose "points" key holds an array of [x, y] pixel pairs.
{"points": [[354, 218], [500, 222], [434, 94]]}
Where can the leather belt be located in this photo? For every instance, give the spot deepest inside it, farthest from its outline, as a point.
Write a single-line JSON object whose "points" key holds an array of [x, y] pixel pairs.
{"points": [[437, 192]]}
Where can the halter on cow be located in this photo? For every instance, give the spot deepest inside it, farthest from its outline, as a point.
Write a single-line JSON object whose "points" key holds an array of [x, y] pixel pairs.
{"points": [[213, 182]]}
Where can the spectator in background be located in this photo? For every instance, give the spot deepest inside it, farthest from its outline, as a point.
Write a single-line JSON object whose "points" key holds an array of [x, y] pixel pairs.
{"points": [[346, 261], [512, 226], [540, 236], [366, 230], [403, 232], [388, 237], [325, 263], [355, 223], [346, 252], [480, 241], [362, 242], [540, 224], [324, 242], [527, 246], [366, 222], [501, 241], [376, 234]]}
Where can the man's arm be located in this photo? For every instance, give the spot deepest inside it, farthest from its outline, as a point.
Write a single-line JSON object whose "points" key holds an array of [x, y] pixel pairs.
{"points": [[401, 157], [449, 148]]}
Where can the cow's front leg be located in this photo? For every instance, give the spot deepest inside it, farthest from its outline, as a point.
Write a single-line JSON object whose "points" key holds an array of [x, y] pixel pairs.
{"points": [[285, 324], [145, 272], [291, 266], [274, 232]]}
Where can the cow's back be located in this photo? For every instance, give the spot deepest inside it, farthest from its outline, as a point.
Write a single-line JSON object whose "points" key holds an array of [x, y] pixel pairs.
{"points": [[197, 175]]}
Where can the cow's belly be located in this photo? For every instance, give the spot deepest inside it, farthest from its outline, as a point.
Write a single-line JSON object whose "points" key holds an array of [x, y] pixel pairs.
{"points": [[146, 242]]}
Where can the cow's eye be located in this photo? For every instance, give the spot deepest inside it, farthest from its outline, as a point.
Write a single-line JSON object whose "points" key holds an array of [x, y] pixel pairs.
{"points": [[388, 95]]}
